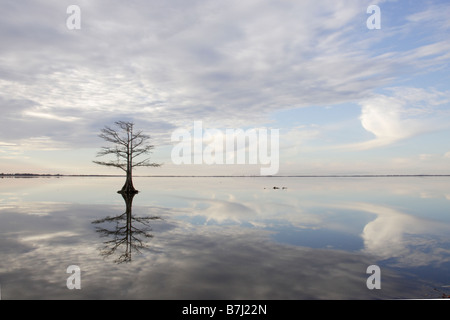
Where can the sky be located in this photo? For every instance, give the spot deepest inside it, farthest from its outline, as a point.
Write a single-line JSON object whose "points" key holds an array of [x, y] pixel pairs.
{"points": [[345, 98]]}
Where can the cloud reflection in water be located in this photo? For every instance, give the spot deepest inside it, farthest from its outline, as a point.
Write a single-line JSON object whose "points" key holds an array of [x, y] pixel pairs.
{"points": [[225, 243]]}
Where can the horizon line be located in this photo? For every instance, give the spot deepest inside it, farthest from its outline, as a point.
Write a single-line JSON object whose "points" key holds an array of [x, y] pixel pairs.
{"points": [[222, 176]]}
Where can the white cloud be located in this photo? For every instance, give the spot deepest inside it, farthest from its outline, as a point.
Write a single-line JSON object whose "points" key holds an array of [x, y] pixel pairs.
{"points": [[405, 113], [202, 60], [50, 116]]}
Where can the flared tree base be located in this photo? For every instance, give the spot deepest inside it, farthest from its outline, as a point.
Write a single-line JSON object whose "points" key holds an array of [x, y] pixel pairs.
{"points": [[128, 188]]}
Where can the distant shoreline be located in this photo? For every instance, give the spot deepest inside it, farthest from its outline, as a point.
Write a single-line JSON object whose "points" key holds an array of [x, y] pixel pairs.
{"points": [[37, 175]]}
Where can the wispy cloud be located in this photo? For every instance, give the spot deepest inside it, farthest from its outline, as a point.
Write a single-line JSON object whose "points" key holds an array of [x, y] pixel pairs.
{"points": [[188, 57]]}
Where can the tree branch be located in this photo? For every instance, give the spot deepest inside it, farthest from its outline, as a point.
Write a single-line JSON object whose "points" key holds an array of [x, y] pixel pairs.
{"points": [[111, 164], [146, 163]]}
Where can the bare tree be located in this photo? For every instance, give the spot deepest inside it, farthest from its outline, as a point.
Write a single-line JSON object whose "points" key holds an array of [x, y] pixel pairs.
{"points": [[127, 145]]}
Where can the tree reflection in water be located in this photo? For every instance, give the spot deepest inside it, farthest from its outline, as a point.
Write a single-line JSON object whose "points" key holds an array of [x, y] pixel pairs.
{"points": [[128, 235]]}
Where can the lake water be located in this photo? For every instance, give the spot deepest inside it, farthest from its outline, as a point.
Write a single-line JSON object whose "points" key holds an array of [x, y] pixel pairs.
{"points": [[225, 238]]}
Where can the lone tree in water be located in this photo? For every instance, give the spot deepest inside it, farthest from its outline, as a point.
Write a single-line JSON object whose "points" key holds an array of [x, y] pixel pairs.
{"points": [[127, 146]]}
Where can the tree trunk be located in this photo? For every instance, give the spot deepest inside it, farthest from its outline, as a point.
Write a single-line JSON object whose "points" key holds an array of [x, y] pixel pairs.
{"points": [[128, 186], [128, 197]]}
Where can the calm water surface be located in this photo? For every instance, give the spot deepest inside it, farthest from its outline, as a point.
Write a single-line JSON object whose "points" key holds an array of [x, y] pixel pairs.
{"points": [[225, 238]]}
